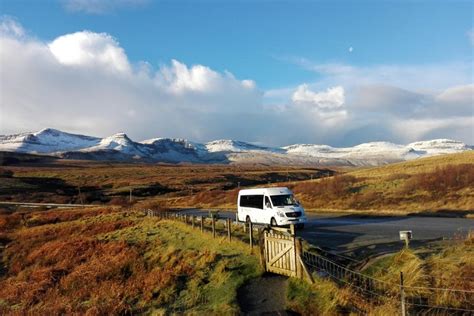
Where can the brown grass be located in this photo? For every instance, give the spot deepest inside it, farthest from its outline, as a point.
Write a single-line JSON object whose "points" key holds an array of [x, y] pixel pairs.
{"points": [[442, 180], [110, 261]]}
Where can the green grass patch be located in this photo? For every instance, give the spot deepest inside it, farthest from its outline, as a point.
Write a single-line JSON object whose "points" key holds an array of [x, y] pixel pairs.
{"points": [[219, 267], [321, 298]]}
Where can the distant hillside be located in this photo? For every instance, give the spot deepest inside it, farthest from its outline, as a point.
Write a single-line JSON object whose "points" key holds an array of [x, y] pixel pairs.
{"points": [[433, 184], [429, 184], [120, 147]]}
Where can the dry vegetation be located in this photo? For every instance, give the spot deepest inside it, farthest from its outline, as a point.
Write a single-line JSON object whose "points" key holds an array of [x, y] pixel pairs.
{"points": [[450, 268], [108, 261], [430, 184], [60, 181], [442, 183]]}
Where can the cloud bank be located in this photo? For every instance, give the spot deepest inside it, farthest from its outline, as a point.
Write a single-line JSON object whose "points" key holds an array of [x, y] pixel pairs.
{"points": [[84, 82]]}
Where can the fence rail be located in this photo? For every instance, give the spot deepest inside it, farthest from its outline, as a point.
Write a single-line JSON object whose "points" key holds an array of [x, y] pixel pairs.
{"points": [[416, 299]]}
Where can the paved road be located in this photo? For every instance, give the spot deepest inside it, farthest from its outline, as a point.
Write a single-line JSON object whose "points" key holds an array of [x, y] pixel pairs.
{"points": [[358, 235]]}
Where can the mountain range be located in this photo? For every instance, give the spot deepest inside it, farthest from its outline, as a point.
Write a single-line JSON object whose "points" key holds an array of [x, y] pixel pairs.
{"points": [[120, 147]]}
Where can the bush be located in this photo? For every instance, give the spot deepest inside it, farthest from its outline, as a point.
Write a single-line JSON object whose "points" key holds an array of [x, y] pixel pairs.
{"points": [[121, 201], [442, 180], [337, 186]]}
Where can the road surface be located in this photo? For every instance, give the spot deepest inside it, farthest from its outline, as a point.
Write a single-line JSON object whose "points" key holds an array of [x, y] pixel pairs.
{"points": [[359, 235]]}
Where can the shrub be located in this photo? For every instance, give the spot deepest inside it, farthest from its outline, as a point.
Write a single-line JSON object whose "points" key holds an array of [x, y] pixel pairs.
{"points": [[442, 180], [337, 186]]}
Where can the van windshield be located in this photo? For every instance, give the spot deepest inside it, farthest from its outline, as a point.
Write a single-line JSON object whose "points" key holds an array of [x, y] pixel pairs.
{"points": [[283, 200]]}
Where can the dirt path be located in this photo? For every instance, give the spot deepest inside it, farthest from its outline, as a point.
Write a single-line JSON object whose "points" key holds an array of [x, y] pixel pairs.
{"points": [[264, 296]]}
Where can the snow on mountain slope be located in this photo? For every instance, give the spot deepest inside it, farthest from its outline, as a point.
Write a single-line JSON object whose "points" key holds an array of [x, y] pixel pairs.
{"points": [[439, 146], [227, 145], [46, 141], [119, 142], [120, 147], [174, 150], [374, 149]]}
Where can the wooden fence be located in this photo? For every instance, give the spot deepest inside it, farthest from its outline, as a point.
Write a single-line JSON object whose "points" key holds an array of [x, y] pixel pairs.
{"points": [[279, 249], [281, 252]]}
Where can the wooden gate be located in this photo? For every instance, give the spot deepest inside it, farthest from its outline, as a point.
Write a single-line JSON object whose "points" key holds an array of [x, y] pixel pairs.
{"points": [[280, 253]]}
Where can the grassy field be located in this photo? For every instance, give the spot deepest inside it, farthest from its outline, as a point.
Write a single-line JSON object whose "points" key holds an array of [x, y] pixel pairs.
{"points": [[429, 184], [106, 260], [442, 183], [66, 181], [427, 273]]}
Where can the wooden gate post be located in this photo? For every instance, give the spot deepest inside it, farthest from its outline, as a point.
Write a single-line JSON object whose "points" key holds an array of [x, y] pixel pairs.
{"points": [[192, 221], [298, 251], [202, 224], [265, 250], [251, 234], [213, 227], [229, 229], [261, 244]]}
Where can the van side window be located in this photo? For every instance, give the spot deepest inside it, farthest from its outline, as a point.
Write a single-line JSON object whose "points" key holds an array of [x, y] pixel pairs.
{"points": [[253, 201], [267, 201]]}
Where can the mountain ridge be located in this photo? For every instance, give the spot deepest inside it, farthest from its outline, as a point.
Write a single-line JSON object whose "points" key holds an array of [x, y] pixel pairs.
{"points": [[120, 147]]}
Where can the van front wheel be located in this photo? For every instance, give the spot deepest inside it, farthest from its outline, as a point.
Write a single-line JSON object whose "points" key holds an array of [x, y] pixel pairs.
{"points": [[273, 222]]}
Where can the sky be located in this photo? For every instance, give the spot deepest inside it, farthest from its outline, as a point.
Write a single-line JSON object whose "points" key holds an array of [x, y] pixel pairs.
{"points": [[267, 72]]}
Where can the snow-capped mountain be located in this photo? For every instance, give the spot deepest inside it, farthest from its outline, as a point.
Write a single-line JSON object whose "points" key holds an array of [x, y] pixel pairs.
{"points": [[46, 141], [120, 147]]}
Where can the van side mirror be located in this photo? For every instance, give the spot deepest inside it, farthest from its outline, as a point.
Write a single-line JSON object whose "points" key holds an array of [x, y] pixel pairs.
{"points": [[268, 205]]}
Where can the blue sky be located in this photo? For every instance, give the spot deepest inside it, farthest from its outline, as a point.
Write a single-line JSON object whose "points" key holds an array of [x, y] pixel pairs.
{"points": [[280, 46], [256, 39]]}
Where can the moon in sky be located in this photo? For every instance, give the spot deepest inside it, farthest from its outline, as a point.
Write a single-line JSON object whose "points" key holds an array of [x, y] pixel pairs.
{"points": [[351, 49]]}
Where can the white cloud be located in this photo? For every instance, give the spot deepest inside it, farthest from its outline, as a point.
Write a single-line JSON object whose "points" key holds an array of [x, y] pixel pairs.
{"points": [[325, 108], [179, 78], [379, 100], [90, 49], [101, 6], [84, 82], [424, 77], [329, 99], [10, 27]]}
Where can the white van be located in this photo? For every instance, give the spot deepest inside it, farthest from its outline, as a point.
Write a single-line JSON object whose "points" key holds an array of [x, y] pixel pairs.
{"points": [[274, 206]]}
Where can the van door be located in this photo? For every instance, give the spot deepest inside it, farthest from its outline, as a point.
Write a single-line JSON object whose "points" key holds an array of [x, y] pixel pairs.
{"points": [[268, 211]]}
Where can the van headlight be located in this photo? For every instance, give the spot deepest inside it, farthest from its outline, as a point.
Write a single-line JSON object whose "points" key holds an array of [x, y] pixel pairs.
{"points": [[280, 213]]}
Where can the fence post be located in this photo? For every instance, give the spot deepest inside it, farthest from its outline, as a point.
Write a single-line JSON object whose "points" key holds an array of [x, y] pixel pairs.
{"points": [[263, 253], [298, 248], [292, 229], [251, 234], [202, 224], [261, 248], [213, 226], [192, 221], [229, 229], [402, 295]]}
